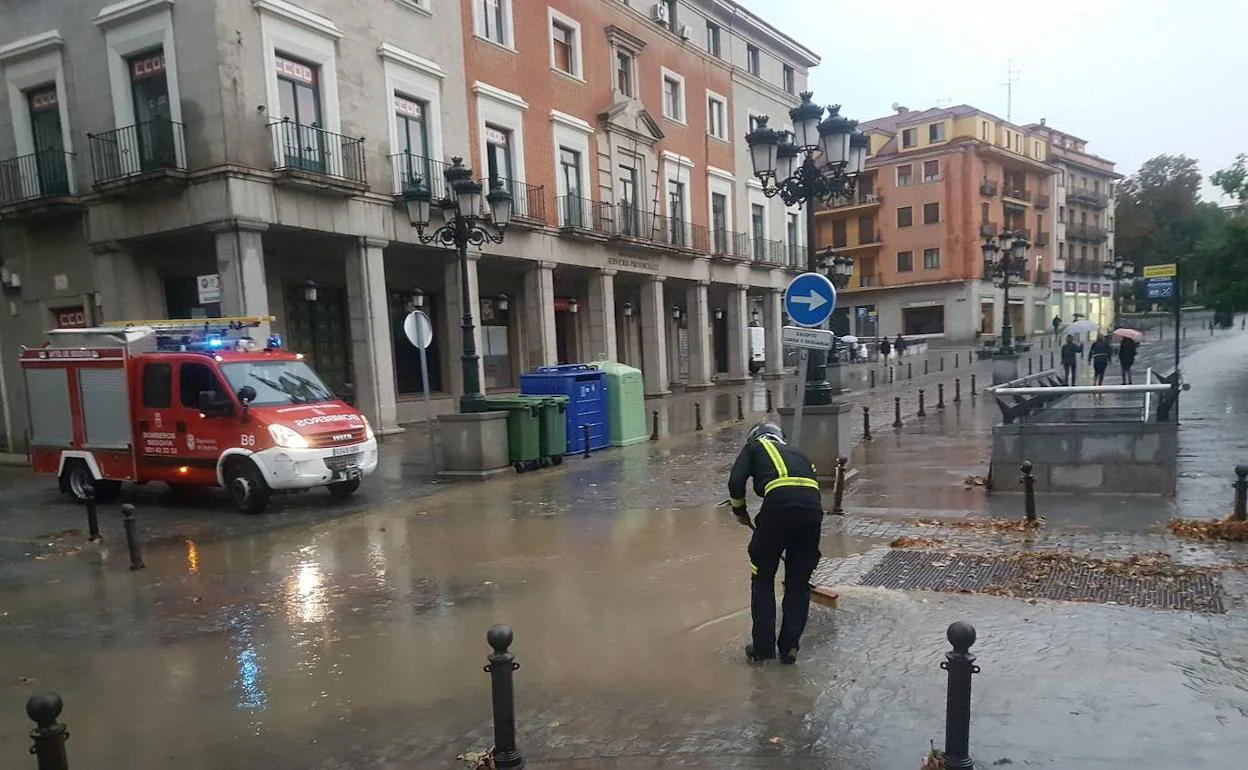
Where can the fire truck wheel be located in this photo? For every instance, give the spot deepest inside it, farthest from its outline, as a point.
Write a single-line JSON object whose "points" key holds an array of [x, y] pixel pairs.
{"points": [[340, 490], [77, 479], [246, 487]]}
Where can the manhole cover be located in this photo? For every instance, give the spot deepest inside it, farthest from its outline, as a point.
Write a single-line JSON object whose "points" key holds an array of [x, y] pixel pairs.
{"points": [[1051, 576]]}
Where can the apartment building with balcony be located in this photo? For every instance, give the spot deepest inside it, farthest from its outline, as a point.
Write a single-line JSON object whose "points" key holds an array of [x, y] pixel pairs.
{"points": [[938, 182], [1083, 223], [169, 158]]}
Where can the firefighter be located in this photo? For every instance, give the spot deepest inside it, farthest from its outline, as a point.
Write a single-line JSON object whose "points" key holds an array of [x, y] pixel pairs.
{"points": [[788, 524]]}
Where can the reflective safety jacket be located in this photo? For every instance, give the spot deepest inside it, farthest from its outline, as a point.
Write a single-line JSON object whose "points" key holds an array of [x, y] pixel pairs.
{"points": [[783, 476]]}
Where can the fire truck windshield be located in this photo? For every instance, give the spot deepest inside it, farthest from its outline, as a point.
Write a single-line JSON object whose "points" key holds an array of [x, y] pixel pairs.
{"points": [[278, 383]]}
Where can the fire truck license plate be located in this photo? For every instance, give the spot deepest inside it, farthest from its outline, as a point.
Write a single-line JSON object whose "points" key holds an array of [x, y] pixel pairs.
{"points": [[339, 451], [348, 474]]}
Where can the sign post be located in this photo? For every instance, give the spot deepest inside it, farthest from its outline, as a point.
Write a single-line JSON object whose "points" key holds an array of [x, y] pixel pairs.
{"points": [[809, 300], [419, 331]]}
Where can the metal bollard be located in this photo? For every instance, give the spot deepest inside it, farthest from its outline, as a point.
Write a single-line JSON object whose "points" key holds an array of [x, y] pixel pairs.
{"points": [[974, 393], [866, 423], [49, 735], [1241, 492], [897, 411], [1029, 490], [654, 427], [838, 499], [132, 537], [1031, 365], [1051, 359], [503, 697], [957, 390], [960, 664], [769, 409], [942, 363], [922, 412], [957, 360], [891, 375], [697, 414], [740, 411], [93, 518], [909, 371], [871, 377], [925, 366], [585, 439], [940, 395]]}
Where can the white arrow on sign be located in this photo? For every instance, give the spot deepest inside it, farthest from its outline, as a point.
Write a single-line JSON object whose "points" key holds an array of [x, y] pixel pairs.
{"points": [[813, 302]]}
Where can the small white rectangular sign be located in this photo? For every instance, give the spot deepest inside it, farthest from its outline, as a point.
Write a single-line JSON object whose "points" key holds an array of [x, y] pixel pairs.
{"points": [[209, 288], [798, 337]]}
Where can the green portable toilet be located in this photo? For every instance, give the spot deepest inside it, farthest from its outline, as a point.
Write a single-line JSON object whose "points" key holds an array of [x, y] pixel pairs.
{"points": [[626, 403]]}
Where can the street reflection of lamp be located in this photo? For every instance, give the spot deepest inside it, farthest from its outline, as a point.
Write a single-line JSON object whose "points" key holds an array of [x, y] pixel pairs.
{"points": [[305, 597]]}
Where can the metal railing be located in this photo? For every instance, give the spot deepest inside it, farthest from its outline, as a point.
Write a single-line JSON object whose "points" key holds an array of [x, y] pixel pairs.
{"points": [[861, 199], [1043, 200], [1017, 194], [1086, 232], [41, 174], [1087, 196], [154, 145], [988, 229], [313, 150], [409, 169], [528, 201], [1025, 397], [578, 213], [1042, 239]]}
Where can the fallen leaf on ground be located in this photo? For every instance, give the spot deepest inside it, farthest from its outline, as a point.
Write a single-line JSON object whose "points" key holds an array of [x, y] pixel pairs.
{"points": [[983, 524], [1210, 529], [905, 541], [478, 760], [976, 481]]}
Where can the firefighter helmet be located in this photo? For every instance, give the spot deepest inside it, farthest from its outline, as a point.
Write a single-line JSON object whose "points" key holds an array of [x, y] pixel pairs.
{"points": [[764, 428]]}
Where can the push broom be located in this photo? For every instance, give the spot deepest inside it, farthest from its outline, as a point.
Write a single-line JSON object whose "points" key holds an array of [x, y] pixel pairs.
{"points": [[821, 595]]}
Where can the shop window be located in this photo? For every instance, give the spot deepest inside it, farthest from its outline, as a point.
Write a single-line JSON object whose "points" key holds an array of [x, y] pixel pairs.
{"points": [[923, 320]]}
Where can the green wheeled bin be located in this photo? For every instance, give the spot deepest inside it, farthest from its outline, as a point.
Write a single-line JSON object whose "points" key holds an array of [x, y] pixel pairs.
{"points": [[554, 427], [523, 429], [626, 403]]}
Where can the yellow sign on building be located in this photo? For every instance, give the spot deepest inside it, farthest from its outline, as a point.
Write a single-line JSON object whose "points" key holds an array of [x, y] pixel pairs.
{"points": [[1161, 271]]}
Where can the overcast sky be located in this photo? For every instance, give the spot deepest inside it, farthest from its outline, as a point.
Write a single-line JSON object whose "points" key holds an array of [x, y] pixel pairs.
{"points": [[1136, 78]]}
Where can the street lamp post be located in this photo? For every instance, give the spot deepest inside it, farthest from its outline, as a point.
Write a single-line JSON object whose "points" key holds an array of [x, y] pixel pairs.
{"points": [[838, 269], [1118, 271], [464, 225], [820, 159], [1005, 263]]}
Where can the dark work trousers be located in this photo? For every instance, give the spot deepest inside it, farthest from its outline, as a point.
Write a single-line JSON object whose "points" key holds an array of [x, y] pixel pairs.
{"points": [[794, 533], [1068, 368], [1099, 365]]}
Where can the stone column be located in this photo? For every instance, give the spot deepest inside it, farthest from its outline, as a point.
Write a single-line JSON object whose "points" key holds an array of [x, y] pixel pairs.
{"points": [[654, 314], [773, 321], [738, 312], [368, 312], [700, 352], [602, 341], [539, 315], [128, 290], [454, 322], [240, 267]]}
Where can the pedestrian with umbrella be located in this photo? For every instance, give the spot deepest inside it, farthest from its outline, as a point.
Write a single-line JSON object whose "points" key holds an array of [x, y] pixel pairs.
{"points": [[1126, 351], [1070, 358]]}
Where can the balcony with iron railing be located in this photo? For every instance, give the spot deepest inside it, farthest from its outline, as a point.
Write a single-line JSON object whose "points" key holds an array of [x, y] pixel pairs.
{"points": [[1086, 232], [43, 176], [308, 156], [410, 169], [1042, 239], [854, 201], [584, 215], [528, 201], [1016, 195], [1087, 196], [150, 152], [988, 229], [987, 189], [873, 239], [655, 230]]}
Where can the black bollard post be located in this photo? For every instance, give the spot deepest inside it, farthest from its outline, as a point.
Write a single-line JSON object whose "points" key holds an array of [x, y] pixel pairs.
{"points": [[838, 499], [866, 423], [1051, 359], [925, 366], [957, 390], [960, 664], [49, 735], [872, 378], [93, 518], [1031, 365], [654, 428], [922, 412], [1241, 492], [942, 363], [940, 395], [1029, 491], [910, 370], [892, 375], [697, 415], [740, 411], [585, 438], [502, 693], [973, 391], [957, 360], [132, 537], [896, 411], [769, 409]]}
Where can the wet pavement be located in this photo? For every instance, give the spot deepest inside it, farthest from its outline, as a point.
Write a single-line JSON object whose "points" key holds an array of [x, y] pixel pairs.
{"points": [[350, 636]]}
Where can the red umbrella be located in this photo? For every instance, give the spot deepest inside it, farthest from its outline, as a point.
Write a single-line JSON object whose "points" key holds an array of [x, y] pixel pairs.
{"points": [[1131, 334]]}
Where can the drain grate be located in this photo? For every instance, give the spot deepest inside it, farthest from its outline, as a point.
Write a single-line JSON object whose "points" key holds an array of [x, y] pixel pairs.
{"points": [[1074, 581]]}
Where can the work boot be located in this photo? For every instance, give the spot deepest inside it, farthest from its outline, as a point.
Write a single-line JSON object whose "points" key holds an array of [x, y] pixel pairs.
{"points": [[753, 658], [789, 657]]}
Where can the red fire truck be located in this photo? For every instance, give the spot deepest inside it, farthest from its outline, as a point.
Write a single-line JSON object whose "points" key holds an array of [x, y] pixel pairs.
{"points": [[190, 403]]}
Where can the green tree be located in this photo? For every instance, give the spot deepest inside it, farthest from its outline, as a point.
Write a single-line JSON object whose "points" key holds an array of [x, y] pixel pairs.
{"points": [[1233, 181], [1157, 212], [1221, 263]]}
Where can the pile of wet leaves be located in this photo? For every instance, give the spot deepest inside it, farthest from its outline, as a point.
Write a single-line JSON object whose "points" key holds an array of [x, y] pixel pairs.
{"points": [[478, 760], [985, 524], [1096, 578], [1229, 528], [906, 541]]}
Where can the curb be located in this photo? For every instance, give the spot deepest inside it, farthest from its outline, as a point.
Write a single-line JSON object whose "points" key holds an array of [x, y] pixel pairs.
{"points": [[10, 460]]}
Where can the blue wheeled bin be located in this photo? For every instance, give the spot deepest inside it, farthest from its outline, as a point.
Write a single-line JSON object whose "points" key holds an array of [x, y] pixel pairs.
{"points": [[586, 389]]}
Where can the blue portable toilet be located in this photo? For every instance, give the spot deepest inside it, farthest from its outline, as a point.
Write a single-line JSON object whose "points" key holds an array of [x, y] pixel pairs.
{"points": [[586, 389]]}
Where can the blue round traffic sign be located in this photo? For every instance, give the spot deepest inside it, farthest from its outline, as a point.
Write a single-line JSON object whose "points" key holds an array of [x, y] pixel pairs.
{"points": [[810, 299]]}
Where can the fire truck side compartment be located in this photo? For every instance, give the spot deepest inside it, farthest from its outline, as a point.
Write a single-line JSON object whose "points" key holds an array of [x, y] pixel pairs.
{"points": [[106, 407], [51, 421]]}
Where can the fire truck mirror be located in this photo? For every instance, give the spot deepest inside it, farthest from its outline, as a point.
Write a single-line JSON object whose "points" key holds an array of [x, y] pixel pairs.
{"points": [[212, 405], [246, 395]]}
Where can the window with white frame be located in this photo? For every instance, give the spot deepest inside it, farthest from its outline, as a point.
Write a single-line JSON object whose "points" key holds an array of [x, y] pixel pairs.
{"points": [[790, 79], [571, 147], [500, 127], [625, 72], [413, 85], [35, 80], [412, 134], [493, 20], [716, 115], [673, 96], [714, 46], [931, 259], [565, 44], [753, 59]]}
